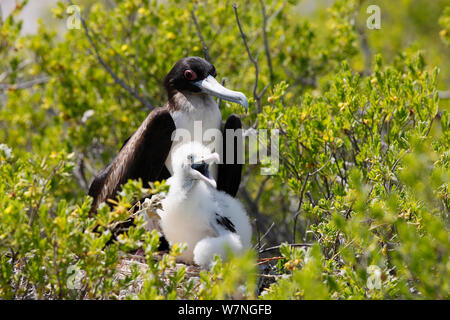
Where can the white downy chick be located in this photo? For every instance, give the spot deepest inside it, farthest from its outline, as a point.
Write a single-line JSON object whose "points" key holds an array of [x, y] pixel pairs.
{"points": [[196, 213]]}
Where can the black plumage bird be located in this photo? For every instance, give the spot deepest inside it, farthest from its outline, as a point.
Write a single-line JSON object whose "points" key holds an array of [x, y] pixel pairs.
{"points": [[191, 85]]}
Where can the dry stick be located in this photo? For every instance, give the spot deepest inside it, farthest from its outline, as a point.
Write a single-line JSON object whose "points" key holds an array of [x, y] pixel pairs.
{"points": [[58, 276], [252, 59], [265, 260], [126, 65], [202, 40], [366, 51], [270, 276], [79, 174], [302, 192], [23, 85], [266, 43], [35, 210], [253, 207], [365, 48], [346, 245], [116, 78], [290, 244], [21, 65], [258, 245]]}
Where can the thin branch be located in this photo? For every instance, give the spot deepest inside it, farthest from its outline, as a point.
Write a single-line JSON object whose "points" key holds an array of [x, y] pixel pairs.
{"points": [[265, 260], [252, 59], [24, 85], [276, 12], [258, 245], [116, 78], [261, 220], [291, 244], [79, 173], [35, 210], [394, 166], [365, 48], [21, 65], [199, 34], [266, 43], [261, 188], [302, 192]]}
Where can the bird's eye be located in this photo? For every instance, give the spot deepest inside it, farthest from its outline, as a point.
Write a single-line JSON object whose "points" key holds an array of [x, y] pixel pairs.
{"points": [[190, 75], [214, 74]]}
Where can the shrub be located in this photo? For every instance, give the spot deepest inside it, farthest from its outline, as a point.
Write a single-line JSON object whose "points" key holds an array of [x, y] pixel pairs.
{"points": [[359, 206]]}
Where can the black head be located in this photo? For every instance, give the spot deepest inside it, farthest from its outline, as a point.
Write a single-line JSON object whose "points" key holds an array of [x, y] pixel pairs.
{"points": [[187, 71], [196, 75]]}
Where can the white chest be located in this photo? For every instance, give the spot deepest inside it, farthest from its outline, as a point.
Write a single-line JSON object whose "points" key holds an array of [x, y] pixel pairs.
{"points": [[186, 217], [198, 119]]}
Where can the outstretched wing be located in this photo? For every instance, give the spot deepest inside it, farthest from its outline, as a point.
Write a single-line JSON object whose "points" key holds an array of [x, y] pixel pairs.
{"points": [[142, 156], [229, 172]]}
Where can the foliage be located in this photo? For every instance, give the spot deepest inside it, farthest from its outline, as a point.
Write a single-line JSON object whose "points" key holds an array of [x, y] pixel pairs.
{"points": [[364, 148], [445, 23]]}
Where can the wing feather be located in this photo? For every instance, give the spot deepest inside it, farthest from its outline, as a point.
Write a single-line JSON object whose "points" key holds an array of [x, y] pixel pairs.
{"points": [[229, 174], [142, 156]]}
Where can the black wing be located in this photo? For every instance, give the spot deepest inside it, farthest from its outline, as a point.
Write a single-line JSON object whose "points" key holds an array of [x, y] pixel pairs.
{"points": [[225, 222], [142, 156], [229, 172]]}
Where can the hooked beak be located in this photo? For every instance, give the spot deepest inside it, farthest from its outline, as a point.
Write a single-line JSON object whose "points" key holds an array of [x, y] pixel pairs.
{"points": [[201, 169], [209, 85]]}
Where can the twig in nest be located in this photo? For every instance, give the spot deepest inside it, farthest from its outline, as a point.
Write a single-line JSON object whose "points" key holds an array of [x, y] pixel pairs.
{"points": [[265, 260], [291, 244]]}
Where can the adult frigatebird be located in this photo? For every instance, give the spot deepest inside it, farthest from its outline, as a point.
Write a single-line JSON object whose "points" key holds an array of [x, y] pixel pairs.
{"points": [[190, 85]]}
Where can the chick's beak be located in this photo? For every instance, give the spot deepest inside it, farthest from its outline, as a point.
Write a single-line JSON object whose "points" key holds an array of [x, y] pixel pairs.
{"points": [[201, 169]]}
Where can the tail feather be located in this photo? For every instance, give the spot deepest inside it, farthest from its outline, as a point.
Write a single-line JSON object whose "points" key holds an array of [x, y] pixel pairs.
{"points": [[207, 248]]}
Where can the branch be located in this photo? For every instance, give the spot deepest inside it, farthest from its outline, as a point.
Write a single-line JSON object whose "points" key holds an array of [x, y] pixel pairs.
{"points": [[266, 43], [79, 173], [24, 85], [365, 48], [291, 244], [202, 40], [265, 234], [252, 59], [116, 78], [253, 206], [302, 192], [265, 260], [35, 210], [21, 65]]}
